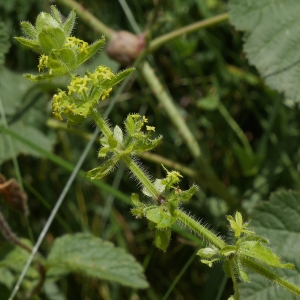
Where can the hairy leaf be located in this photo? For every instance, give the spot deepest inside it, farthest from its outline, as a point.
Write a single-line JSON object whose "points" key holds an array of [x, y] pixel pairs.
{"points": [[278, 220], [84, 254], [272, 42]]}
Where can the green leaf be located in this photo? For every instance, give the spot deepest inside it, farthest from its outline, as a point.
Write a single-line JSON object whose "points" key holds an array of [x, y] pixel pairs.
{"points": [[64, 60], [90, 51], [45, 21], [104, 169], [112, 142], [135, 199], [160, 217], [145, 144], [69, 23], [52, 38], [207, 252], [257, 251], [117, 78], [278, 220], [228, 250], [29, 30], [208, 103], [118, 134], [162, 239], [55, 13], [271, 42], [6, 277], [14, 258], [34, 45], [84, 254], [185, 196]]}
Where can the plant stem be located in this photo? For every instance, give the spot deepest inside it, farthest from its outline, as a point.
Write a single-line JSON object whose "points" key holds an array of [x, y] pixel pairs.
{"points": [[234, 281], [262, 270], [200, 229], [129, 162], [156, 43], [235, 127], [206, 173]]}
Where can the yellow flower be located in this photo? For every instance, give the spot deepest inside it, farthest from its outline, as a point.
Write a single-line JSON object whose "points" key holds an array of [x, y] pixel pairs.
{"points": [[152, 128], [105, 93]]}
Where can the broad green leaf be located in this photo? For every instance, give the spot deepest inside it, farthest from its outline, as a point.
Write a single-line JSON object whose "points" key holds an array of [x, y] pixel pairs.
{"points": [[45, 21], [66, 60], [6, 277], [52, 38], [14, 259], [84, 254], [162, 239], [161, 218], [277, 220], [272, 28]]}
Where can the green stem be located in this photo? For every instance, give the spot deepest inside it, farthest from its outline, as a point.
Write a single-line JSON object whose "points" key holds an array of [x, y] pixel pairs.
{"points": [[129, 162], [156, 43], [262, 270], [235, 127], [234, 281], [200, 229], [206, 173]]}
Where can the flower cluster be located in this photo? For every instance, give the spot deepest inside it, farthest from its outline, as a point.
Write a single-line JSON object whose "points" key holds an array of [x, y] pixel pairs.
{"points": [[73, 42]]}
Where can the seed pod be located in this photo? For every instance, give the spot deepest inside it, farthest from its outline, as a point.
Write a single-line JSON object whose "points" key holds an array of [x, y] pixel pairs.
{"points": [[125, 47]]}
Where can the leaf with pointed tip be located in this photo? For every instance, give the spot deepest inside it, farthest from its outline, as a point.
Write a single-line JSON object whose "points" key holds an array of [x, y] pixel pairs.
{"points": [[162, 239], [136, 199], [104, 169], [69, 23], [84, 254], [62, 60], [257, 251], [161, 218], [55, 14], [90, 51], [45, 21], [34, 45], [118, 134], [146, 144], [29, 30], [41, 77], [117, 78], [51, 38], [112, 142]]}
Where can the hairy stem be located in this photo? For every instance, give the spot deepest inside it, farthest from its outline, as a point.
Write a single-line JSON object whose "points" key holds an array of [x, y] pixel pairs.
{"points": [[200, 229], [234, 281], [129, 162], [262, 270]]}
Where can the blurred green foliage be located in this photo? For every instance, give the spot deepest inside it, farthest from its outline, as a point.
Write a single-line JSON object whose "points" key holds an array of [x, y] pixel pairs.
{"points": [[199, 70]]}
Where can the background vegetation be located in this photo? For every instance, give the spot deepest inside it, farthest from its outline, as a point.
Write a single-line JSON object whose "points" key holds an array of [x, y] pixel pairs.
{"points": [[248, 133]]}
